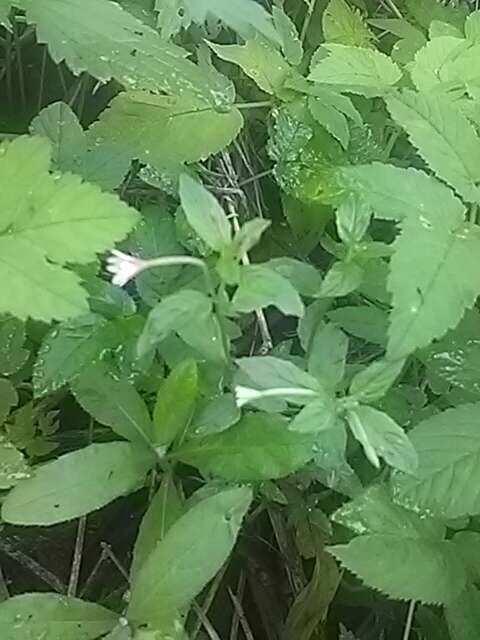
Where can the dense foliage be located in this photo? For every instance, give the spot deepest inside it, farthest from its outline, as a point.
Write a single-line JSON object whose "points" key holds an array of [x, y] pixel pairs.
{"points": [[239, 253]]}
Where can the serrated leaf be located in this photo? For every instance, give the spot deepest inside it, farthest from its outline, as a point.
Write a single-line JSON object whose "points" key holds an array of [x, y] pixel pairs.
{"points": [[113, 400], [175, 403], [316, 416], [343, 25], [171, 314], [430, 289], [368, 323], [13, 355], [448, 447], [341, 279], [204, 213], [126, 49], [203, 538], [48, 228], [68, 349], [260, 61], [259, 447], [381, 437], [306, 279], [53, 616], [246, 17], [430, 69], [333, 120], [165, 130], [163, 511], [261, 287], [290, 42], [373, 382], [327, 355], [13, 466], [443, 136], [77, 483], [439, 574], [357, 70]]}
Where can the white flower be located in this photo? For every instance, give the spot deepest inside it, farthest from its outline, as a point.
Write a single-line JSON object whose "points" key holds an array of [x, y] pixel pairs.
{"points": [[124, 267], [244, 395]]}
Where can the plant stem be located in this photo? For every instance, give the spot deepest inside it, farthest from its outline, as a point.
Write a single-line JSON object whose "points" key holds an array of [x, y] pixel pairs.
{"points": [[306, 22], [409, 620]]}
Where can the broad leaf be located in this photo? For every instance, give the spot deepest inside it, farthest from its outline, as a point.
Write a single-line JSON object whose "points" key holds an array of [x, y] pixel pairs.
{"points": [[204, 214], [125, 49], [77, 483], [382, 437], [13, 355], [353, 219], [368, 323], [304, 277], [114, 401], [8, 398], [439, 575], [443, 136], [316, 416], [265, 372], [259, 447], [163, 511], [260, 287], [45, 227], [341, 279], [202, 538], [171, 314], [214, 415], [175, 403], [290, 42], [165, 130], [13, 466], [53, 617], [260, 61], [374, 381], [448, 447], [68, 349], [463, 615], [357, 70], [343, 25], [327, 355]]}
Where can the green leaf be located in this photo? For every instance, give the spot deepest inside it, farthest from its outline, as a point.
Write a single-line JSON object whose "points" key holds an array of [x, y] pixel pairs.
{"points": [[68, 349], [382, 437], [260, 61], [13, 466], [327, 355], [175, 403], [266, 372], [343, 25], [261, 287], [163, 511], [431, 289], [12, 353], [77, 483], [214, 415], [357, 70], [443, 136], [202, 538], [171, 17], [368, 323], [8, 398], [439, 574], [259, 447], [472, 27], [126, 49], [428, 10], [53, 616], [171, 314], [324, 109], [249, 235], [246, 17], [113, 401], [204, 214], [341, 279], [165, 130], [304, 277], [70, 150], [290, 42], [45, 227], [373, 382], [316, 416], [432, 67], [463, 615], [204, 334], [448, 446], [353, 219]]}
